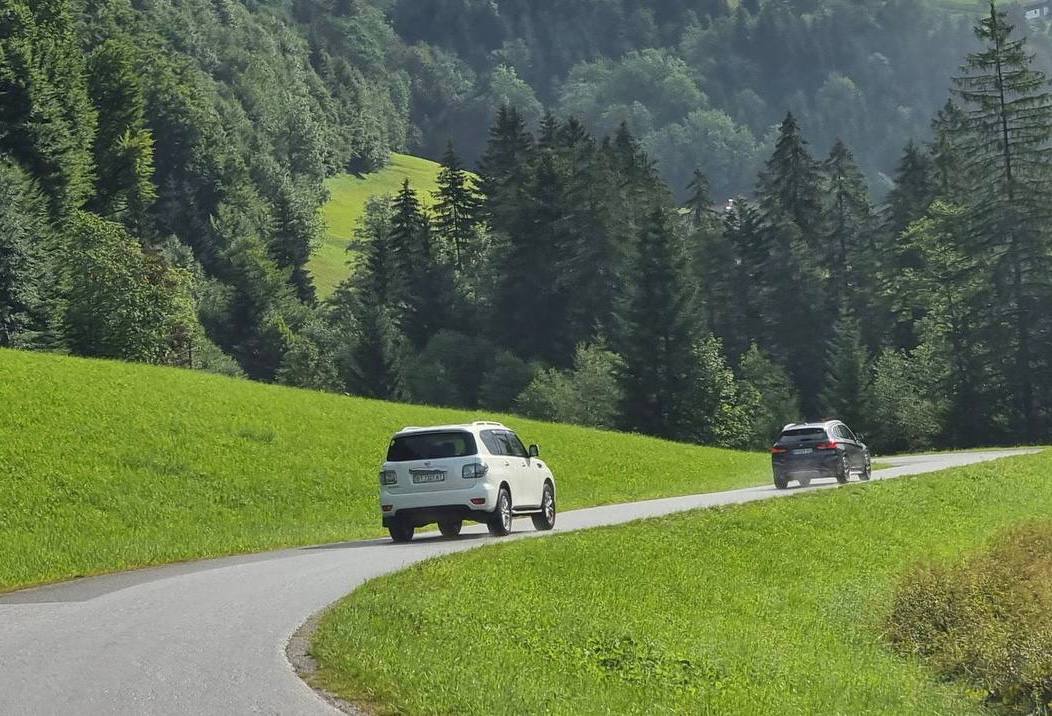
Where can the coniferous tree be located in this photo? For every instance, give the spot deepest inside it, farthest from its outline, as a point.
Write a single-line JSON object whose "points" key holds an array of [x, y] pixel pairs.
{"points": [[658, 335], [847, 374], [456, 211], [123, 152], [426, 286], [1005, 139], [375, 364], [790, 184], [792, 283], [848, 217], [23, 227], [699, 201], [913, 192], [47, 123]]}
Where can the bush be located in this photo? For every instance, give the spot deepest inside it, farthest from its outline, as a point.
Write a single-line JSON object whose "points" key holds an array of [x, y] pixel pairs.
{"points": [[587, 395], [986, 621]]}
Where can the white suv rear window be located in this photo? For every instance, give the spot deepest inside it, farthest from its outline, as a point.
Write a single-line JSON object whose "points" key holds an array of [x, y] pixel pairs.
{"points": [[431, 446]]}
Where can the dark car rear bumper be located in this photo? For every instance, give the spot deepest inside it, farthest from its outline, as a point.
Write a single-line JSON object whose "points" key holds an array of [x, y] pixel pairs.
{"points": [[823, 463]]}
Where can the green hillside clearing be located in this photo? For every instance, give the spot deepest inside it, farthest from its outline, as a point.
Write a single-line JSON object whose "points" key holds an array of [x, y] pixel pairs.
{"points": [[107, 466], [771, 607], [348, 195]]}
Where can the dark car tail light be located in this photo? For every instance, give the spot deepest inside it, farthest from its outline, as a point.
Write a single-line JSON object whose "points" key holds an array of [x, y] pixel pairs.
{"points": [[779, 450], [830, 445]]}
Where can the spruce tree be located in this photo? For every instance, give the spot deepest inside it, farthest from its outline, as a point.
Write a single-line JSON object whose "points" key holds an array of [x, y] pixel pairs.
{"points": [[123, 150], [456, 211], [1005, 140], [658, 334], [23, 289], [790, 183], [47, 123], [847, 374], [699, 201], [913, 192], [375, 360], [792, 284], [426, 287], [847, 224]]}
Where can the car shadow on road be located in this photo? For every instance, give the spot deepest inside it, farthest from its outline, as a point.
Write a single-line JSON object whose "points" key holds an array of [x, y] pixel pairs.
{"points": [[420, 539]]}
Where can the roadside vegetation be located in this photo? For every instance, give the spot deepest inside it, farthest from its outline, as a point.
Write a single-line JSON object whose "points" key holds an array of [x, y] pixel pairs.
{"points": [[987, 620], [769, 607], [348, 196], [107, 466]]}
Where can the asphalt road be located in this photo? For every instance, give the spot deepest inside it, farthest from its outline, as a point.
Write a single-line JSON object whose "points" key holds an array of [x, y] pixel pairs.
{"points": [[210, 637]]}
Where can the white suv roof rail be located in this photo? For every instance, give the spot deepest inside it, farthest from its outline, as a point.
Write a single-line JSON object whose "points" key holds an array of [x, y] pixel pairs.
{"points": [[491, 423]]}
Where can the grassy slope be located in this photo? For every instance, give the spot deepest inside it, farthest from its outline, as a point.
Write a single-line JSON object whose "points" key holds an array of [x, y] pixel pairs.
{"points": [[348, 196], [107, 466], [765, 608]]}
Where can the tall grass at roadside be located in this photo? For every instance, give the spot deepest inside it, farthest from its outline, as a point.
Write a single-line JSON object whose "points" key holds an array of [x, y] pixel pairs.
{"points": [[107, 466], [985, 621], [771, 607]]}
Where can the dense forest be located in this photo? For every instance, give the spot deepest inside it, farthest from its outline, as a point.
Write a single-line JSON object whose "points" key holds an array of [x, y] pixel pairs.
{"points": [[651, 243]]}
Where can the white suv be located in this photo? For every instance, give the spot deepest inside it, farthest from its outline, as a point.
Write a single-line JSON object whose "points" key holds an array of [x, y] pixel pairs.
{"points": [[451, 473]]}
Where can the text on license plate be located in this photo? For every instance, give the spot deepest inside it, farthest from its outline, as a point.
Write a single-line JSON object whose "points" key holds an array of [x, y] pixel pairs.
{"points": [[421, 477], [803, 451]]}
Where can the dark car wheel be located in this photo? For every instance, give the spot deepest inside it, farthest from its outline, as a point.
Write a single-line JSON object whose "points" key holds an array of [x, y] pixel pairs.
{"points": [[451, 528], [401, 532], [867, 469], [500, 522], [780, 482], [842, 472], [546, 519]]}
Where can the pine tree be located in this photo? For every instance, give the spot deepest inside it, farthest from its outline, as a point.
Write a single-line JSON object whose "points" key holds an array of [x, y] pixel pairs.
{"points": [[123, 150], [426, 286], [456, 211], [47, 123], [371, 308], [847, 224], [23, 224], [1006, 139], [947, 159], [913, 192], [847, 374], [658, 334], [699, 201], [790, 184], [792, 281]]}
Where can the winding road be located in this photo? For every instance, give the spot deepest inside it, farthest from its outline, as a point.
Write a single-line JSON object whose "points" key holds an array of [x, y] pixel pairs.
{"points": [[210, 637]]}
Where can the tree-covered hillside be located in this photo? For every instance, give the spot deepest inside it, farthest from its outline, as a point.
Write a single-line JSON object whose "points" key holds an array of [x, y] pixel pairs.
{"points": [[163, 162], [702, 83]]}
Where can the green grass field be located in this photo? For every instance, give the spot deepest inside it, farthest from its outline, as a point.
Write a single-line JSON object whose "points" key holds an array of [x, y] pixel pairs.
{"points": [[107, 466], [348, 195], [772, 607]]}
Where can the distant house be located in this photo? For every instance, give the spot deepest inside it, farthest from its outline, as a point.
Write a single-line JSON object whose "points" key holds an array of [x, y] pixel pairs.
{"points": [[1037, 9]]}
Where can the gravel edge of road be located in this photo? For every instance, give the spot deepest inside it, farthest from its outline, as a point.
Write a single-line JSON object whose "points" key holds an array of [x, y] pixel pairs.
{"points": [[297, 651]]}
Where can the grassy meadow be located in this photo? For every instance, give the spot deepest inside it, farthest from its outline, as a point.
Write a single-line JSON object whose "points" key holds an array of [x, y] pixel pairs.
{"points": [[348, 195], [770, 607], [107, 466]]}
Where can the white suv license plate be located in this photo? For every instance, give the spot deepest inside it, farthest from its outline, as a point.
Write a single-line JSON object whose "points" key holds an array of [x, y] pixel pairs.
{"points": [[803, 451], [424, 477]]}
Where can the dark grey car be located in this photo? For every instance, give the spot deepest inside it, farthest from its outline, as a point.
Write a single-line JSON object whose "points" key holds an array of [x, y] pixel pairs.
{"points": [[805, 451]]}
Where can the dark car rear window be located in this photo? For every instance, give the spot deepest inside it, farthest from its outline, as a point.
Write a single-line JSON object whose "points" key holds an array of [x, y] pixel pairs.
{"points": [[431, 446], [802, 435]]}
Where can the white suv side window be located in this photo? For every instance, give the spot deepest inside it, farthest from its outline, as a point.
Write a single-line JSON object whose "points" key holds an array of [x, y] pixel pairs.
{"points": [[491, 439], [515, 445]]}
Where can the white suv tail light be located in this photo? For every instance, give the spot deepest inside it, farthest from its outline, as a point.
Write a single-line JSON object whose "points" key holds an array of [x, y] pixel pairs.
{"points": [[474, 470], [388, 477]]}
